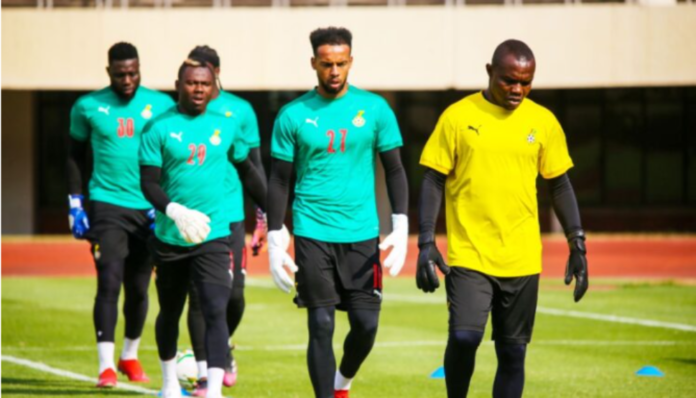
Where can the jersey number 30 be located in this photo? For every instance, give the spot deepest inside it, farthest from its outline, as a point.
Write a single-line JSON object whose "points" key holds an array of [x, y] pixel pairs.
{"points": [[332, 134], [196, 150], [126, 128]]}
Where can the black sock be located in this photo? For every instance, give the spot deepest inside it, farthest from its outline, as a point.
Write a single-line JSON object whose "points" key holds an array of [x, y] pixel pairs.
{"points": [[320, 355], [460, 358], [359, 341], [509, 379], [105, 313]]}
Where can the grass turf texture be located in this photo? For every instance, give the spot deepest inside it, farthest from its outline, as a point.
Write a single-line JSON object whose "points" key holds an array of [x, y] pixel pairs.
{"points": [[50, 321]]}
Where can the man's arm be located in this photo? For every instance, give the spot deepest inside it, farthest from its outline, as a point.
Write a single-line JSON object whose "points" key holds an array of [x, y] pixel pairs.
{"points": [[192, 225], [150, 185], [259, 236], [428, 209], [397, 188], [278, 236], [75, 168], [566, 207], [252, 181]]}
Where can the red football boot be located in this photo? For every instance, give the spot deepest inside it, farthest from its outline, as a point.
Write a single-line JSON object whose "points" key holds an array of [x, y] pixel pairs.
{"points": [[340, 393], [132, 369], [107, 379]]}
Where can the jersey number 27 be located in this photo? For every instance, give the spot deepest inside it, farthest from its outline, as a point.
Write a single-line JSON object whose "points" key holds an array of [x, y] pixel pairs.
{"points": [[332, 135]]}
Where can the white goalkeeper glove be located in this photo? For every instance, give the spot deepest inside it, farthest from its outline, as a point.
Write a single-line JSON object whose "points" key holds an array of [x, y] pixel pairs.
{"points": [[279, 259], [192, 224], [398, 241]]}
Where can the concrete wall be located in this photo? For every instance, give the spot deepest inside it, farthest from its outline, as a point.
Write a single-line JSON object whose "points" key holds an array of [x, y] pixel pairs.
{"points": [[394, 48], [17, 162]]}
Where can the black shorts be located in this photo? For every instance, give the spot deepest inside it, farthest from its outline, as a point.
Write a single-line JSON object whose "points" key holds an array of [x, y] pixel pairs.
{"points": [[345, 275], [117, 232], [472, 295], [238, 260], [208, 262]]}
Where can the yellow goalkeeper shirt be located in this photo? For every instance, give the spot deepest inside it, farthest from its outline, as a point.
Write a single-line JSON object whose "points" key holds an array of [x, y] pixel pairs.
{"points": [[492, 157]]}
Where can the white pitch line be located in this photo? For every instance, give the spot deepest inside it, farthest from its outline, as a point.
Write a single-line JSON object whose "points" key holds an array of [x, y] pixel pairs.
{"points": [[75, 376], [393, 344], [617, 319]]}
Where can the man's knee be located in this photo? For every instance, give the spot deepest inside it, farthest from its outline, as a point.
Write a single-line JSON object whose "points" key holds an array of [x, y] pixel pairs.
{"points": [[511, 356], [465, 339], [321, 322]]}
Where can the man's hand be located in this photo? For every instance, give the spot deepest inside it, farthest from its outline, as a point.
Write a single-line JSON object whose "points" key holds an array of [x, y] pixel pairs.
{"points": [[577, 264], [259, 237], [79, 223], [151, 217], [279, 259], [398, 240], [429, 257], [192, 224]]}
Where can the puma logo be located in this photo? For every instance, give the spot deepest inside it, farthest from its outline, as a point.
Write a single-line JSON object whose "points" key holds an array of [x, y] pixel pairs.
{"points": [[177, 136], [314, 122], [476, 130], [104, 110]]}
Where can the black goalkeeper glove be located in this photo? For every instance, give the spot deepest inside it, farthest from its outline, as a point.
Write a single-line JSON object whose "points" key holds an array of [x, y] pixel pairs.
{"points": [[577, 264], [429, 257]]}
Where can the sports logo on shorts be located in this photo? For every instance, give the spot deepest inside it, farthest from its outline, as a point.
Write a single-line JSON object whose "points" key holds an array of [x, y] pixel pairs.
{"points": [[147, 112], [531, 138], [359, 120], [97, 253], [215, 138]]}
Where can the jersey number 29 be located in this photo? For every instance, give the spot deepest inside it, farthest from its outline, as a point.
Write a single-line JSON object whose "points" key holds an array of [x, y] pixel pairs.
{"points": [[196, 150]]}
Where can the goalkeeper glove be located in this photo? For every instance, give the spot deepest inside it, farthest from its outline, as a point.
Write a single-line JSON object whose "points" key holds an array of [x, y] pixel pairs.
{"points": [[259, 237], [192, 224], [151, 217], [279, 259], [79, 223], [577, 264], [398, 241], [428, 258]]}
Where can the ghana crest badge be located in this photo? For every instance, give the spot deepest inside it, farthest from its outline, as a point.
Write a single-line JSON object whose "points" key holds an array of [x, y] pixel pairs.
{"points": [[215, 138], [147, 112], [228, 114], [359, 120]]}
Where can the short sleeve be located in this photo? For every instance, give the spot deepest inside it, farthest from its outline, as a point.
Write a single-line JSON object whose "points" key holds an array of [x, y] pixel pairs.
{"points": [[388, 133], [239, 149], [554, 159], [151, 147], [440, 151], [283, 138], [80, 127], [250, 127]]}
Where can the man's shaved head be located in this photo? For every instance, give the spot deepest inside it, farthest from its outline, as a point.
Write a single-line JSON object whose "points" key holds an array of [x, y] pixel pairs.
{"points": [[510, 74], [517, 48]]}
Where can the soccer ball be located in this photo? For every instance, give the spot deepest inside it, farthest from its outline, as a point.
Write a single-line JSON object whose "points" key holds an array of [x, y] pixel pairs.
{"points": [[186, 368]]}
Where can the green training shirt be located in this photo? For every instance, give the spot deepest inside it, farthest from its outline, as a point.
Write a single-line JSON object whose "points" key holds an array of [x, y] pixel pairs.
{"points": [[333, 145], [194, 153], [239, 109], [113, 127]]}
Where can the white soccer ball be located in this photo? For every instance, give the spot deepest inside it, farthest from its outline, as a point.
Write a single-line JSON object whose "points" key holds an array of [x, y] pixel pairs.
{"points": [[186, 368]]}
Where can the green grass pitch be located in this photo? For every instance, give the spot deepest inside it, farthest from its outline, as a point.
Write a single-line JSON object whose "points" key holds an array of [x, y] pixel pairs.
{"points": [[49, 320]]}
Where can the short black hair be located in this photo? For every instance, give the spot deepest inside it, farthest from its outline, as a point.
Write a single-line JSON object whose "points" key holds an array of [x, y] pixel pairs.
{"points": [[518, 48], [207, 54], [194, 63], [331, 35], [122, 51]]}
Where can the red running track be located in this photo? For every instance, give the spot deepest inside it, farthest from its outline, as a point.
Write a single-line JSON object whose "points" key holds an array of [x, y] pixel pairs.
{"points": [[608, 256]]}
